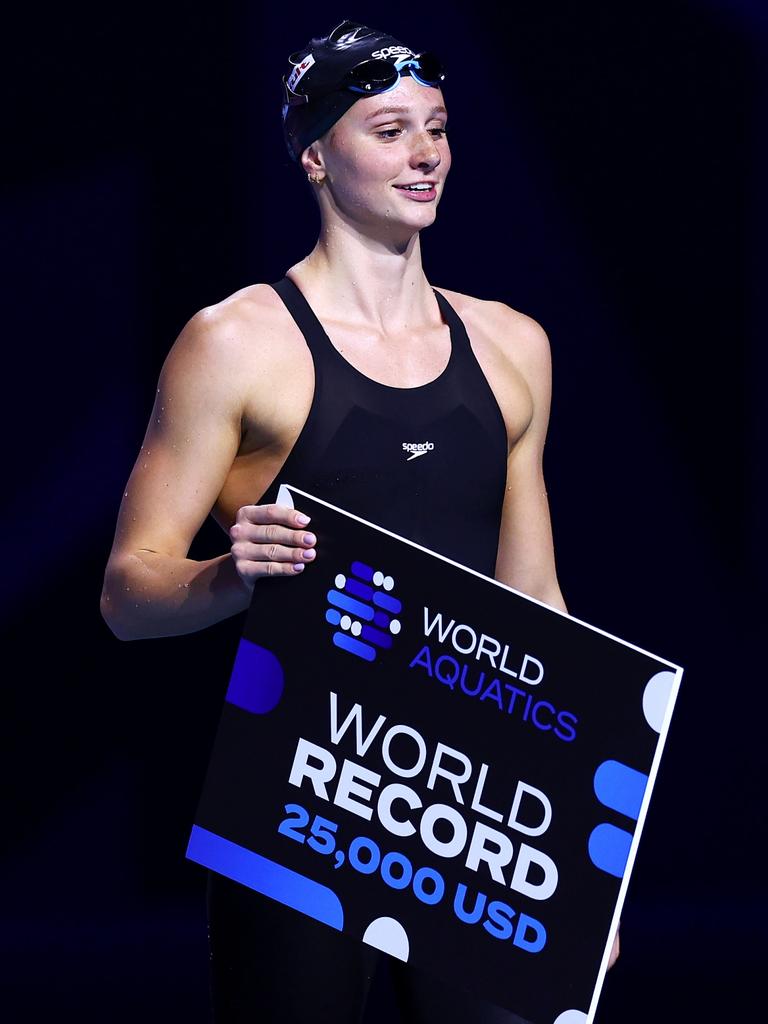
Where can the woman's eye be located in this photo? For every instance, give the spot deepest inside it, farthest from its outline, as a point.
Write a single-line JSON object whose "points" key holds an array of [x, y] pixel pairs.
{"points": [[390, 133]]}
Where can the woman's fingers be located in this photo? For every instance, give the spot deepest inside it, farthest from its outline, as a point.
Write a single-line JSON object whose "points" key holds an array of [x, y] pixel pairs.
{"points": [[269, 540]]}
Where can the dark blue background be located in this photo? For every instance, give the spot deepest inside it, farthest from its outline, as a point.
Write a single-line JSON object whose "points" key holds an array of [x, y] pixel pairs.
{"points": [[608, 178]]}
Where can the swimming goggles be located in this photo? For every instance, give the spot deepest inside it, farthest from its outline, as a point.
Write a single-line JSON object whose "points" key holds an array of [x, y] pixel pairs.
{"points": [[377, 75]]}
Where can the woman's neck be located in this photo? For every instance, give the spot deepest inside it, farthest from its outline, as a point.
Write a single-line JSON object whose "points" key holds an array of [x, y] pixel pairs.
{"points": [[359, 279]]}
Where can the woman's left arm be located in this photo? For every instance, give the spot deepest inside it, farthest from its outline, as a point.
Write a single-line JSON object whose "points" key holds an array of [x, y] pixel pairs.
{"points": [[526, 556]]}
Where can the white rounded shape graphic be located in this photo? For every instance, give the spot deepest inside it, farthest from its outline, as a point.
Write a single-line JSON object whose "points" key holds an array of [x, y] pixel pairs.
{"points": [[388, 935], [340, 581], [357, 628], [656, 698], [571, 1017], [346, 622], [388, 583], [395, 627], [378, 578]]}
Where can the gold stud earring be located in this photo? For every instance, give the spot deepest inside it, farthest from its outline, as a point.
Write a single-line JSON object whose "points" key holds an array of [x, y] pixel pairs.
{"points": [[316, 179]]}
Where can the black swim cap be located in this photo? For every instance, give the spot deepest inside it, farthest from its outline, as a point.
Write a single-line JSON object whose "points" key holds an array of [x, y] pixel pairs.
{"points": [[317, 71]]}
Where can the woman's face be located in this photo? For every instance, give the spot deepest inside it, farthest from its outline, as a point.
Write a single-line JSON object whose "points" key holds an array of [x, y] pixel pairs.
{"points": [[385, 142]]}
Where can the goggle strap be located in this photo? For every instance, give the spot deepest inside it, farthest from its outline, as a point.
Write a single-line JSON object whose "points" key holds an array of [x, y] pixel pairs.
{"points": [[292, 98]]}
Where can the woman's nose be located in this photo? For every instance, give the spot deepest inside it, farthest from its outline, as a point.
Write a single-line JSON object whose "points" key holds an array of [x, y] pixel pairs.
{"points": [[425, 150]]}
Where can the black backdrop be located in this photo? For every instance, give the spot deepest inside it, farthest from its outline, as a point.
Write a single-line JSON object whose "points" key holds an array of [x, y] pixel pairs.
{"points": [[608, 179]]}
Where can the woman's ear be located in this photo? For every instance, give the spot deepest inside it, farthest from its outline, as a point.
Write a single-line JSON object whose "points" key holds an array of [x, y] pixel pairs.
{"points": [[312, 161]]}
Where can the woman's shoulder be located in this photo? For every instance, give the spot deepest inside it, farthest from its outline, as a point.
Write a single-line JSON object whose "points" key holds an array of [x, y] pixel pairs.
{"points": [[497, 321], [249, 327], [255, 311], [256, 298]]}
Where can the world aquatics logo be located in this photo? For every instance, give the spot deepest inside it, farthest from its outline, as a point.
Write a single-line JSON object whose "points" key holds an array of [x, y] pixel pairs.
{"points": [[363, 610]]}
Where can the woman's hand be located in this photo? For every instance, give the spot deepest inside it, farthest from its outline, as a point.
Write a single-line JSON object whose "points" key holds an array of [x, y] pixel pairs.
{"points": [[270, 540]]}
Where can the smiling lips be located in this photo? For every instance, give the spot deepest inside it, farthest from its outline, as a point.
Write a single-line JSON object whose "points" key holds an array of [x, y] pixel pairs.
{"points": [[421, 191]]}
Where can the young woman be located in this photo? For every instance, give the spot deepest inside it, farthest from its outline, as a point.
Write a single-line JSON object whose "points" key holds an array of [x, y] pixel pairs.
{"points": [[421, 409]]}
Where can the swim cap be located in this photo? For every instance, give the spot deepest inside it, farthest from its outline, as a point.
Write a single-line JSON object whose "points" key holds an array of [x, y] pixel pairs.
{"points": [[317, 71]]}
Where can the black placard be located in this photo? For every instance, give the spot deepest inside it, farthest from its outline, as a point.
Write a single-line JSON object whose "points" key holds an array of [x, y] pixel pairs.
{"points": [[449, 770]]}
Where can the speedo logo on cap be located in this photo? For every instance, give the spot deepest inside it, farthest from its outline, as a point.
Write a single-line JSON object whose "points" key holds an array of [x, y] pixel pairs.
{"points": [[388, 51], [299, 71]]}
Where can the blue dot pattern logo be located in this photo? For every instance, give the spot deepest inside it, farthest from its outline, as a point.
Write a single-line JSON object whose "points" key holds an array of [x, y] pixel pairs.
{"points": [[363, 610]]}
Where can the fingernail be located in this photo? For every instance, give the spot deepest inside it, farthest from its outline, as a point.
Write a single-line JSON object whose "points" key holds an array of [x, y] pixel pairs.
{"points": [[308, 554], [310, 538], [302, 519], [298, 567]]}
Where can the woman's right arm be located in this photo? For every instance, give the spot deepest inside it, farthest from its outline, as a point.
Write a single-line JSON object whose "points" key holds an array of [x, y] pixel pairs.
{"points": [[151, 588]]}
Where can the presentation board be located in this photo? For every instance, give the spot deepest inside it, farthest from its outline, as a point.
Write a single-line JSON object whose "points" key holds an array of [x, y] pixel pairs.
{"points": [[425, 759]]}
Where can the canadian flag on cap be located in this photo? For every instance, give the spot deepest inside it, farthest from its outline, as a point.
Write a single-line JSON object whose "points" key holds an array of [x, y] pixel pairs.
{"points": [[299, 71]]}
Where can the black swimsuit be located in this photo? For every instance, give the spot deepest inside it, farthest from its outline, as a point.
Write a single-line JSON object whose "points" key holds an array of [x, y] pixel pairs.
{"points": [[428, 463], [445, 491]]}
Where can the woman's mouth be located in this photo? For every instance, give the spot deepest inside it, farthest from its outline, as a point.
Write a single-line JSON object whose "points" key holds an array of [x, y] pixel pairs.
{"points": [[421, 192]]}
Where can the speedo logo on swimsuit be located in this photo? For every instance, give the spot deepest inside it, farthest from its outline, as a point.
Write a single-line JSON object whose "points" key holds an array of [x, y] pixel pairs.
{"points": [[416, 449]]}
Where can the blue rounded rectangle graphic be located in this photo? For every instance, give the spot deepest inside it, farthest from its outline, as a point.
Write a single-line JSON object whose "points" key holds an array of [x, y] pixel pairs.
{"points": [[265, 876], [349, 604], [361, 590], [609, 849], [376, 636], [383, 600], [362, 571], [620, 787], [348, 643], [256, 683]]}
